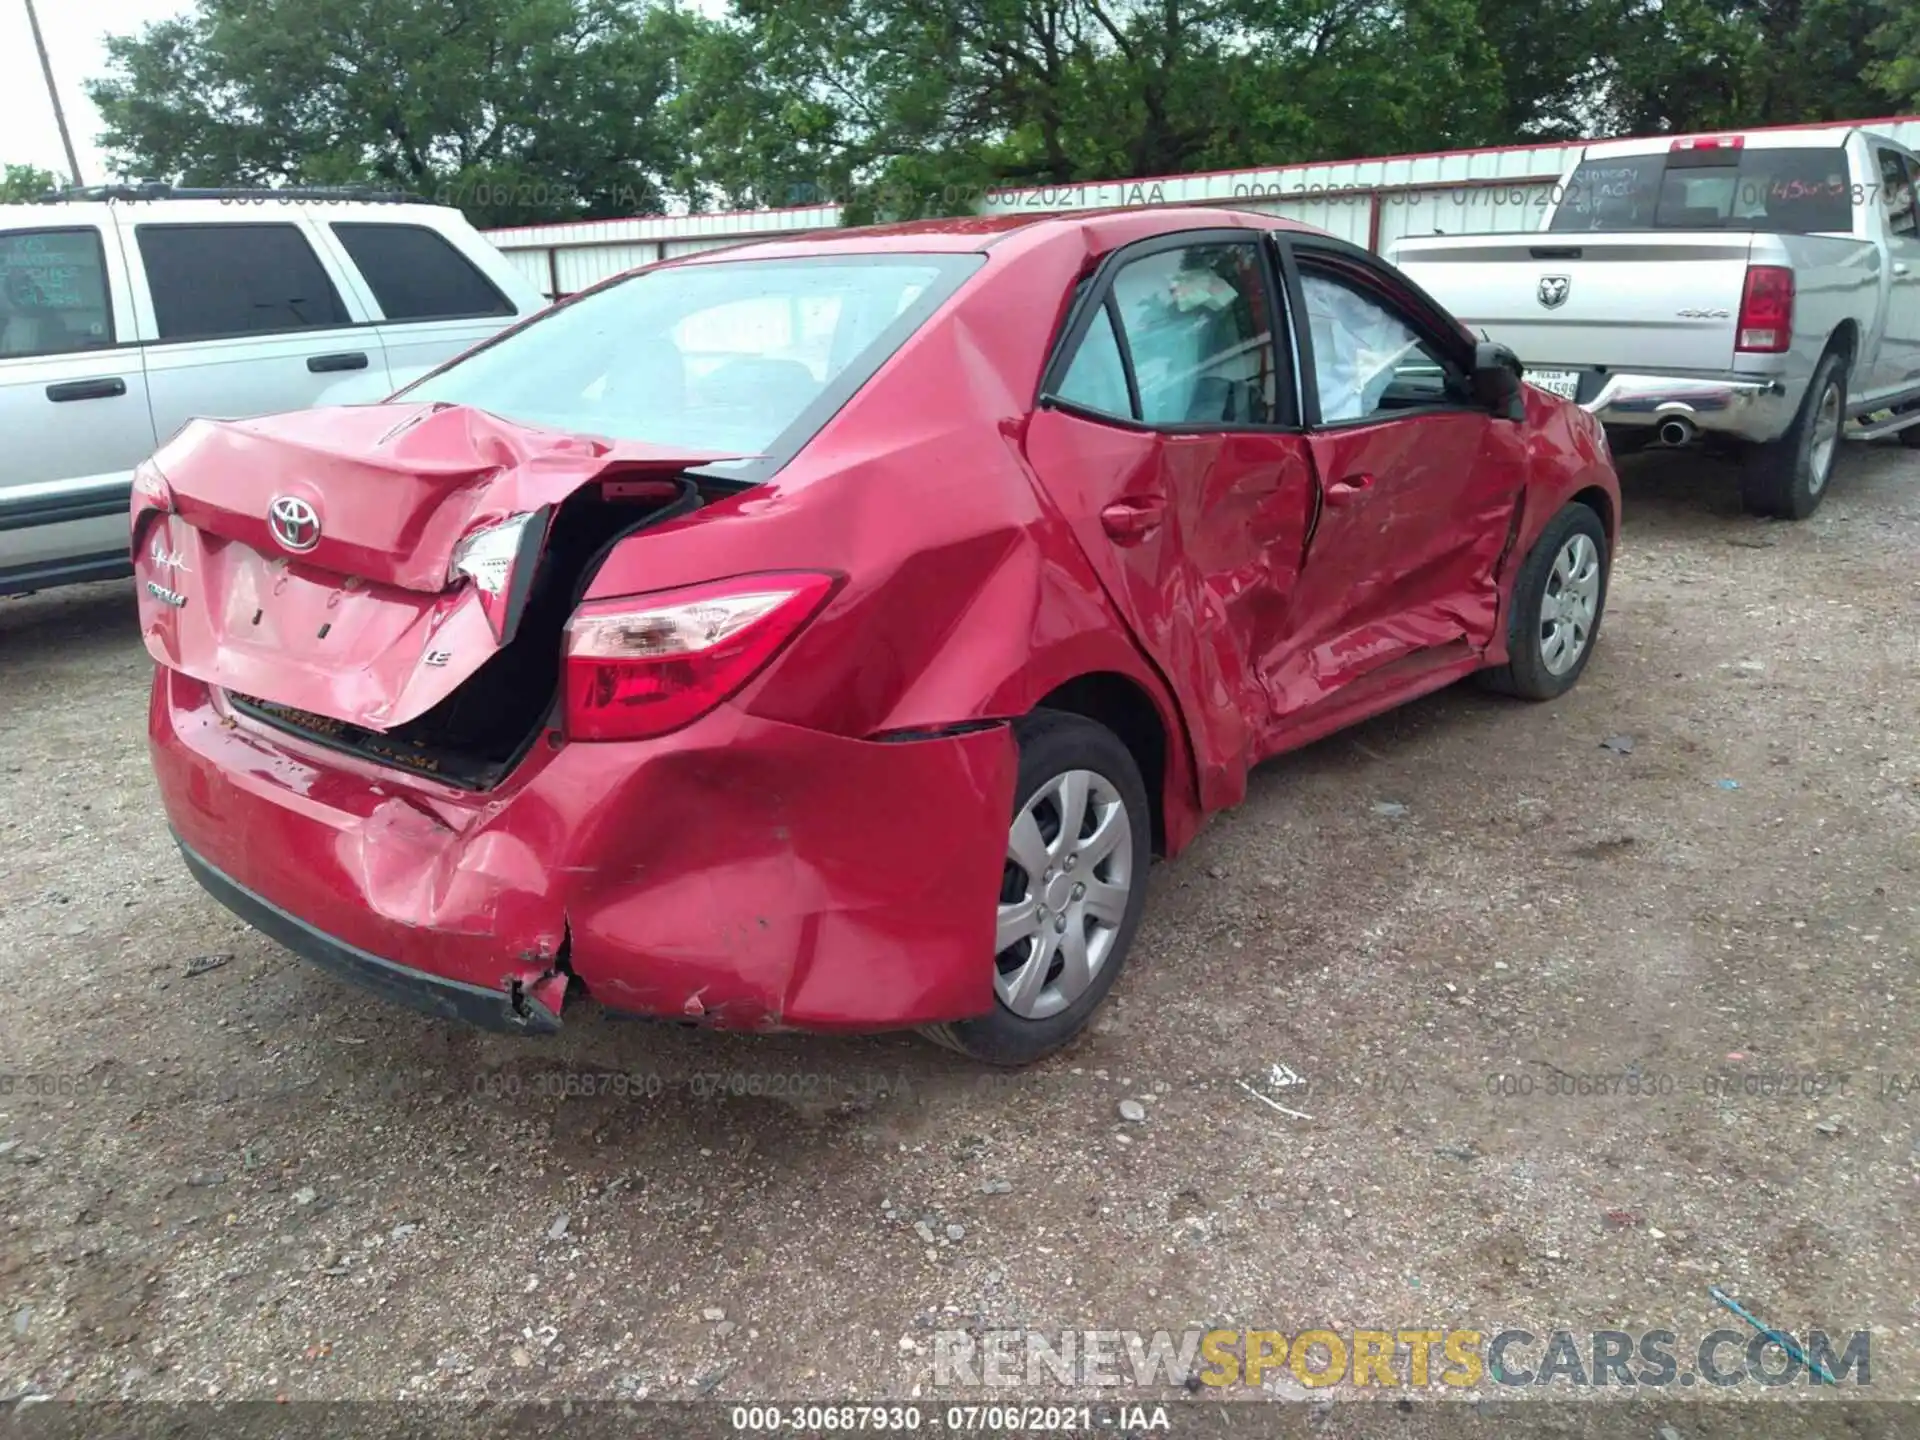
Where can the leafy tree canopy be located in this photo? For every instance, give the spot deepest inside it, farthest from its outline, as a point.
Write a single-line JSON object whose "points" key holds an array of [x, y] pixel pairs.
{"points": [[524, 110]]}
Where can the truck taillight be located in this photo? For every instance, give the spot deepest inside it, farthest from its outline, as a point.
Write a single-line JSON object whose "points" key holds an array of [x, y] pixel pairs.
{"points": [[1766, 311], [1708, 142], [650, 664]]}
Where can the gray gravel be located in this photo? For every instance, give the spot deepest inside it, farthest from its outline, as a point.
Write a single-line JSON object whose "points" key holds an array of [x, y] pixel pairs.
{"points": [[254, 1182]]}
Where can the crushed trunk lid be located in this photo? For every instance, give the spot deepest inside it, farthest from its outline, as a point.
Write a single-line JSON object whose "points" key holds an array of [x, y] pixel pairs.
{"points": [[359, 563]]}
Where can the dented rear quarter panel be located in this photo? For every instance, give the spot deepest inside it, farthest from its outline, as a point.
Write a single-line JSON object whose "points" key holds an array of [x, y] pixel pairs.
{"points": [[743, 871]]}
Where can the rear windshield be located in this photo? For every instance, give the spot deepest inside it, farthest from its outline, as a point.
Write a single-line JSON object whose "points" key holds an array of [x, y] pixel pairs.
{"points": [[722, 356], [1783, 191]]}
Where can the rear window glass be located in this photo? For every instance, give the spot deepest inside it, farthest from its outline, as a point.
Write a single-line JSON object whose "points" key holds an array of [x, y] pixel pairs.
{"points": [[1801, 191], [53, 292], [416, 274], [724, 356], [214, 280]]}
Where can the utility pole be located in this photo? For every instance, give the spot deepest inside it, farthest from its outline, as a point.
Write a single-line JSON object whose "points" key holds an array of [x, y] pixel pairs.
{"points": [[59, 115]]}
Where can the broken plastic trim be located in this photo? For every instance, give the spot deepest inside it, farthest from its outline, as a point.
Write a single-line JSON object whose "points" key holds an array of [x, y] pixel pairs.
{"points": [[446, 766], [536, 1003]]}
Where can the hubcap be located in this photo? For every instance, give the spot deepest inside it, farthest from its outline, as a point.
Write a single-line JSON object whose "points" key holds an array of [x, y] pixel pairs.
{"points": [[1572, 601], [1063, 893], [1826, 438]]}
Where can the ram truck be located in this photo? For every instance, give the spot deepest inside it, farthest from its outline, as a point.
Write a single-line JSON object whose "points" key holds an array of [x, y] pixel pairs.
{"points": [[1758, 293]]}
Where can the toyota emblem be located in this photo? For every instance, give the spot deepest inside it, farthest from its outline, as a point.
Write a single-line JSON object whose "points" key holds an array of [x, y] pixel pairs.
{"points": [[295, 523]]}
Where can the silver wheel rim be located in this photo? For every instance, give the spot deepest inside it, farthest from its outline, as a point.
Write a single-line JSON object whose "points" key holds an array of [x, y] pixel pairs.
{"points": [[1568, 608], [1826, 437], [1063, 895]]}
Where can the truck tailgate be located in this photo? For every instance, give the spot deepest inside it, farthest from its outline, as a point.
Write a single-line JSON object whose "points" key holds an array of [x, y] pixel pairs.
{"points": [[1665, 301]]}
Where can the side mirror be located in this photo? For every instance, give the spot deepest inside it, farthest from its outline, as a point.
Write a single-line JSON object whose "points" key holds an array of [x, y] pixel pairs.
{"points": [[1496, 380]]}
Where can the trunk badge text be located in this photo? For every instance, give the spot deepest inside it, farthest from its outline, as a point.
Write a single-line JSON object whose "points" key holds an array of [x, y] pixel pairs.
{"points": [[295, 523], [1554, 290], [439, 657], [166, 559], [166, 596]]}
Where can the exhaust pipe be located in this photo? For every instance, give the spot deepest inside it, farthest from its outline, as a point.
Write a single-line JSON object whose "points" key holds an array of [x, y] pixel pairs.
{"points": [[1675, 431]]}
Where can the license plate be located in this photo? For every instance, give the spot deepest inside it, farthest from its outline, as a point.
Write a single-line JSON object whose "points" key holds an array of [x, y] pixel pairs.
{"points": [[1564, 383]]}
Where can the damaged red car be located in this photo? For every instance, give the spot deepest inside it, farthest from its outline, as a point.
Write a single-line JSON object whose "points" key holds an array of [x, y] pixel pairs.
{"points": [[826, 633]]}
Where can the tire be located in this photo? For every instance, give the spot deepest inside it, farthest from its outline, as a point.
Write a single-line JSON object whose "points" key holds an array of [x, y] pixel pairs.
{"points": [[1536, 668], [1054, 747], [1909, 437], [1788, 478]]}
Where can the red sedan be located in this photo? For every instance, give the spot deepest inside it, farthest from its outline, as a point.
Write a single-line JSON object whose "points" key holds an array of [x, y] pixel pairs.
{"points": [[826, 633]]}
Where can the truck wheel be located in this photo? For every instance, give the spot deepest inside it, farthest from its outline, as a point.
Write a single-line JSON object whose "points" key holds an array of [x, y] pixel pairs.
{"points": [[1788, 478]]}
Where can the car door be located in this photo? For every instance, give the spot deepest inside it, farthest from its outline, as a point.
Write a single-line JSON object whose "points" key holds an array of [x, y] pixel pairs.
{"points": [[1416, 486], [73, 399], [1168, 435], [244, 317], [431, 301], [1899, 360]]}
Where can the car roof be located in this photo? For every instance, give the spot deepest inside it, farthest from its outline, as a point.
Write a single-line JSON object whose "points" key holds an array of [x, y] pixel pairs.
{"points": [[972, 233], [56, 214]]}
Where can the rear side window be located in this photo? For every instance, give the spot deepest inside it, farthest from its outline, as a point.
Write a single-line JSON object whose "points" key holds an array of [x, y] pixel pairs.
{"points": [[1789, 192], [417, 274], [214, 280], [1097, 379], [1197, 334], [1896, 193], [53, 292]]}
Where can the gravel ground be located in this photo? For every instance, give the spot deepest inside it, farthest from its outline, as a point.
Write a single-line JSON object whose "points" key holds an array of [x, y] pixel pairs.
{"points": [[225, 1175]]}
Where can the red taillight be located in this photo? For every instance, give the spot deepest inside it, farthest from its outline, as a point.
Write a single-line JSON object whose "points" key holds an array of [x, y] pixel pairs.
{"points": [[1766, 311], [1708, 142], [649, 664]]}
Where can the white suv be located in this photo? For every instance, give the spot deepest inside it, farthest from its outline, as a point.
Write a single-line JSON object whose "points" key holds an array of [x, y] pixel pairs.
{"points": [[127, 311]]}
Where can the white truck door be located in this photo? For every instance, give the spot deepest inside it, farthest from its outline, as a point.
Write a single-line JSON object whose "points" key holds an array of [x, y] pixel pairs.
{"points": [[245, 317], [1896, 214], [73, 395]]}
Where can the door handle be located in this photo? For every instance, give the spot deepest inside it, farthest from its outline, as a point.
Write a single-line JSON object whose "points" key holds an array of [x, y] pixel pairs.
{"points": [[1132, 520], [352, 360], [1341, 492], [86, 390]]}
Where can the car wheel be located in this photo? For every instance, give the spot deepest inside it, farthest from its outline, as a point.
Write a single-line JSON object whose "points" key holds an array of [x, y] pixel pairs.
{"points": [[1788, 478], [1071, 892], [1558, 599]]}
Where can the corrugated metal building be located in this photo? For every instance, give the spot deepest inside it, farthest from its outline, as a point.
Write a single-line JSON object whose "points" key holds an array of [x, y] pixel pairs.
{"points": [[1370, 202], [561, 259]]}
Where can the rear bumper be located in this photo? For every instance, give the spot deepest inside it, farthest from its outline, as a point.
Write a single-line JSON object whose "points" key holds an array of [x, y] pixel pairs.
{"points": [[1740, 407], [741, 873], [430, 994]]}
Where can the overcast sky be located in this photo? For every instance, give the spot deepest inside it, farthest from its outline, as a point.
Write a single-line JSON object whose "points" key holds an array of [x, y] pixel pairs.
{"points": [[75, 32]]}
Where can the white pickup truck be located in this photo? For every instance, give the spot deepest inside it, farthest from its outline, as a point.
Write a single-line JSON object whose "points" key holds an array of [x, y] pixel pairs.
{"points": [[1761, 291]]}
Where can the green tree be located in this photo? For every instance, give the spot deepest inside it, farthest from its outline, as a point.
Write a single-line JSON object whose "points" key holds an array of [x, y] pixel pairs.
{"points": [[21, 183], [912, 106], [1894, 53], [1721, 64], [518, 110]]}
